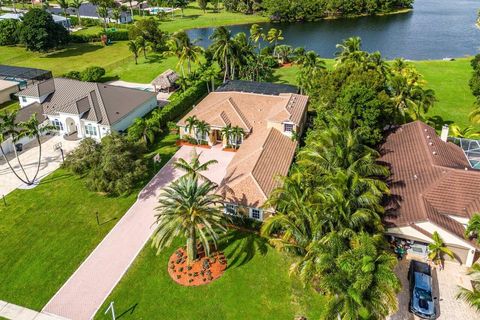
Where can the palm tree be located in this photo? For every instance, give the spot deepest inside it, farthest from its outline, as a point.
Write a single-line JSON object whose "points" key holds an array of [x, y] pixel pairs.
{"points": [[191, 124], [237, 134], [116, 14], [32, 129], [226, 132], [209, 75], [350, 49], [194, 167], [224, 49], [64, 4], [310, 67], [202, 129], [76, 4], [473, 228], [134, 48], [474, 116], [256, 34], [142, 45], [273, 36], [283, 53], [103, 13], [469, 132], [144, 129], [130, 2], [190, 209], [437, 249], [184, 49], [472, 297]]}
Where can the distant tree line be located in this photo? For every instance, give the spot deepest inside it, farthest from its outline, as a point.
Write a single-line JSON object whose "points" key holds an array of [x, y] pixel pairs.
{"points": [[309, 10]]}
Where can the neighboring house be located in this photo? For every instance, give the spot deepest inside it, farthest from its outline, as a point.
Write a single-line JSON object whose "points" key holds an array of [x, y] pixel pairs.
{"points": [[7, 89], [270, 120], [86, 109], [165, 82], [23, 76], [65, 22], [433, 189], [89, 11]]}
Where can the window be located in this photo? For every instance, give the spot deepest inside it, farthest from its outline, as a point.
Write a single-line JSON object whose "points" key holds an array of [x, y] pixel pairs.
{"points": [[202, 137], [231, 209], [256, 214], [90, 130], [57, 124], [24, 99], [288, 127]]}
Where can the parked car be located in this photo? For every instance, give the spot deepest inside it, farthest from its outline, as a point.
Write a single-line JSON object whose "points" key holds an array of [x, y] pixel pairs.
{"points": [[422, 301]]}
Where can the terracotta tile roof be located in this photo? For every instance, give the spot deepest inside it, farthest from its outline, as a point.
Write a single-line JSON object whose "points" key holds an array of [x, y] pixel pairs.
{"points": [[430, 180]]}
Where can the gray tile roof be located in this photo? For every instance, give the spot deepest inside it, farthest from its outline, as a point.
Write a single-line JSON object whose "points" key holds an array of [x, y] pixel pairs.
{"points": [[105, 104]]}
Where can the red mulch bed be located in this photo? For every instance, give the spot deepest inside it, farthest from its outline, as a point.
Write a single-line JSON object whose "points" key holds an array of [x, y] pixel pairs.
{"points": [[185, 143], [229, 150], [201, 271]]}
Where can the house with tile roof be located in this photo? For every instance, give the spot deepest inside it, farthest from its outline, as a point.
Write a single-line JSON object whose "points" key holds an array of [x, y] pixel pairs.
{"points": [[270, 120], [433, 187], [86, 109]]}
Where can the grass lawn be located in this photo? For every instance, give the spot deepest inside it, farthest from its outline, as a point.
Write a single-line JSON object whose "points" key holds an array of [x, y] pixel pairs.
{"points": [[46, 232], [449, 79], [256, 285], [9, 106]]}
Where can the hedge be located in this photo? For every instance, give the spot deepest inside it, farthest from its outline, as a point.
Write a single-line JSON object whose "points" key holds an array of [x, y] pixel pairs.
{"points": [[119, 35]]}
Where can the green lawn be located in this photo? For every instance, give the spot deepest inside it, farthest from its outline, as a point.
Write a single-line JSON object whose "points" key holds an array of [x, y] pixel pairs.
{"points": [[9, 106], [256, 285], [449, 79], [46, 232]]}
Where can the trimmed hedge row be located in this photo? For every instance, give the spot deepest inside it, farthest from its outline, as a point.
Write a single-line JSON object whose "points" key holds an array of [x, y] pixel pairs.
{"points": [[180, 103], [119, 35]]}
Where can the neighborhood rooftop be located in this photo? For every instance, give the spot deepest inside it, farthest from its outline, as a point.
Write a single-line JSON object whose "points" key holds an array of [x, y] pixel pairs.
{"points": [[23, 73], [431, 180], [257, 87]]}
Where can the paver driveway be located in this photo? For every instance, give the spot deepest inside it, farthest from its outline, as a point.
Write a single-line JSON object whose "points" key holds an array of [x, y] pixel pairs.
{"points": [[445, 287], [90, 285], [50, 161]]}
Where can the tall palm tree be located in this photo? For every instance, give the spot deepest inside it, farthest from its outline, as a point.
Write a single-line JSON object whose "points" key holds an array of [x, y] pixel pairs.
{"points": [[437, 249], [32, 129], [226, 132], [76, 4], [256, 34], [184, 49], [310, 67], [350, 49], [142, 45], [144, 129], [7, 133], [473, 227], [194, 167], [190, 209], [116, 14], [472, 297], [224, 49], [191, 124], [273, 36], [134, 49], [64, 5], [237, 134], [283, 53]]}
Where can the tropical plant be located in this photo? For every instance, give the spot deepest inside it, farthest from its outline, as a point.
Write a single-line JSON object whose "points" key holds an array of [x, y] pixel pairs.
{"points": [[226, 132], [202, 4], [469, 132], [184, 49], [283, 53], [256, 34], [472, 297], [191, 123], [64, 5], [192, 210], [142, 45], [76, 4], [224, 50], [144, 129], [350, 49], [437, 249], [116, 14], [273, 36], [194, 167], [473, 228], [237, 134], [202, 129], [134, 49], [310, 67]]}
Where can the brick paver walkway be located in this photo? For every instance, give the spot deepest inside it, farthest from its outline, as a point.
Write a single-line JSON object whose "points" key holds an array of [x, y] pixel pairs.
{"points": [[86, 290]]}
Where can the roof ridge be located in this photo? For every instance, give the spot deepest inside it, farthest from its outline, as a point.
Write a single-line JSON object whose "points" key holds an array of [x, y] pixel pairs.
{"points": [[101, 103], [240, 113]]}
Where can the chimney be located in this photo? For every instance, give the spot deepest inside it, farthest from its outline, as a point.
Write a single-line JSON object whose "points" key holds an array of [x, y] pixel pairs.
{"points": [[444, 135]]}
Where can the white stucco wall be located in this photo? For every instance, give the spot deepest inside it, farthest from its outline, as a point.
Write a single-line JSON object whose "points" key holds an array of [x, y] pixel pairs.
{"points": [[447, 237], [408, 231], [25, 101], [463, 221], [127, 121]]}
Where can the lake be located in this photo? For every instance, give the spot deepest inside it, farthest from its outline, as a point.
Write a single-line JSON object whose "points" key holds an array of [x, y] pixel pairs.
{"points": [[435, 29]]}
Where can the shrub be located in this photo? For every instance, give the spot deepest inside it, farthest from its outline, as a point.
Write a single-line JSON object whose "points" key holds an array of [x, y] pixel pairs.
{"points": [[84, 38], [76, 75], [119, 35], [92, 74], [9, 32]]}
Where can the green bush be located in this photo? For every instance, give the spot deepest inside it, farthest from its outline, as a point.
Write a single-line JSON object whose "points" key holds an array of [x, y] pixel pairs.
{"points": [[76, 75], [9, 32], [84, 38], [92, 74], [119, 35]]}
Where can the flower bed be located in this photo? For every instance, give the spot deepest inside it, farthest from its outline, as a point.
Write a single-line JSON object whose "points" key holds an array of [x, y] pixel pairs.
{"points": [[201, 271], [186, 143]]}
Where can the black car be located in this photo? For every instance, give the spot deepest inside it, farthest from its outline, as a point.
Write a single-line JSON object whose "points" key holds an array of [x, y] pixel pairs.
{"points": [[421, 299]]}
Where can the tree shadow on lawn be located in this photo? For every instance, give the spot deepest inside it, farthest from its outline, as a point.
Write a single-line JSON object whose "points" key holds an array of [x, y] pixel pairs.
{"points": [[74, 50], [438, 122], [155, 58], [241, 247]]}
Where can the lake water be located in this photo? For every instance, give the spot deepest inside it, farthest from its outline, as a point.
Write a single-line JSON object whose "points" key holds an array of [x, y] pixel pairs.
{"points": [[435, 29]]}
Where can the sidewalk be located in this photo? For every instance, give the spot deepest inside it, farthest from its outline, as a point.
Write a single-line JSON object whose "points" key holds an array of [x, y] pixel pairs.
{"points": [[86, 290], [14, 312]]}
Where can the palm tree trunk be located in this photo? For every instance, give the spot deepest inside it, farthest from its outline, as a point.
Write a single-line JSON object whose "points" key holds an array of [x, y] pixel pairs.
{"points": [[192, 253], [145, 52], [213, 84], [208, 87], [189, 66], [131, 10], [226, 70], [78, 17], [10, 166], [39, 158], [20, 164]]}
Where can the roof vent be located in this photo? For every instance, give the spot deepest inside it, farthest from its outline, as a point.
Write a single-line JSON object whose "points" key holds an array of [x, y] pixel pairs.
{"points": [[430, 143], [415, 177], [428, 137], [117, 112], [434, 153], [425, 130], [466, 169]]}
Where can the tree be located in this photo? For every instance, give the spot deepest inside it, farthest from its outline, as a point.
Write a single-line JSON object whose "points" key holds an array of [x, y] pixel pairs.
{"points": [[437, 249], [203, 129], [102, 12], [190, 209], [130, 3], [237, 134], [202, 4], [83, 159], [472, 297], [184, 49], [76, 4], [134, 49], [473, 228], [64, 5], [469, 132], [142, 45], [144, 129], [40, 33], [92, 74], [9, 32], [224, 49], [256, 34], [194, 167], [273, 36], [226, 132], [283, 53], [191, 124], [350, 49], [116, 14]]}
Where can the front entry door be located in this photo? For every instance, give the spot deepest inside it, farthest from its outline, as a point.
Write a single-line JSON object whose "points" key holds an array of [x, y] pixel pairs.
{"points": [[218, 136]]}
